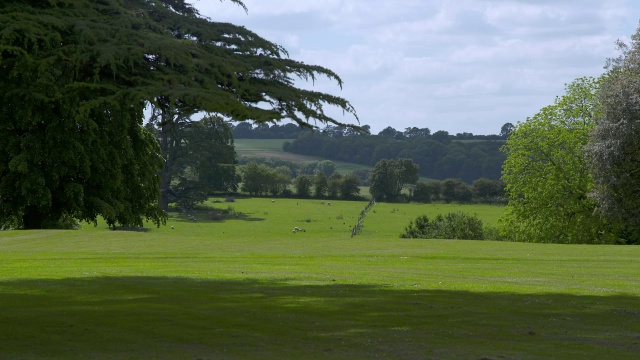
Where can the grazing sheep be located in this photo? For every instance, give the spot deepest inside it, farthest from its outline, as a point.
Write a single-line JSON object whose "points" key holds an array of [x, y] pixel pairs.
{"points": [[296, 229]]}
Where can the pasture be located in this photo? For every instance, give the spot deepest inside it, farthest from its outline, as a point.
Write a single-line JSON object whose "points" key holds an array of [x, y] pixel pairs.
{"points": [[272, 148], [247, 286]]}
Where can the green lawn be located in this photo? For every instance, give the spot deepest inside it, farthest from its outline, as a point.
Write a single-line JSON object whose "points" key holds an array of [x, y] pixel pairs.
{"points": [[248, 287]]}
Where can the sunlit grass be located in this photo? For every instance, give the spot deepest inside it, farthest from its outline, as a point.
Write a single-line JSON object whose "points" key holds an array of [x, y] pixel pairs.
{"points": [[248, 287]]}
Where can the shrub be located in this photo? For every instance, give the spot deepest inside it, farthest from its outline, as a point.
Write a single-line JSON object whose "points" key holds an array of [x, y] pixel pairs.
{"points": [[494, 234], [455, 225]]}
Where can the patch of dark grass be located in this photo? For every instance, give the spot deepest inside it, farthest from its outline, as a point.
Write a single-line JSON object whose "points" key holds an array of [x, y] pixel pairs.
{"points": [[161, 317], [131, 228]]}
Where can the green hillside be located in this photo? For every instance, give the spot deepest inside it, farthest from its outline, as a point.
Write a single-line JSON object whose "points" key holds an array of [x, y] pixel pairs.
{"points": [[272, 148]]}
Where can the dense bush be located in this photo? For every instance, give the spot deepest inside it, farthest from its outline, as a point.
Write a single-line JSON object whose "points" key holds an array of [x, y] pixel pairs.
{"points": [[455, 225]]}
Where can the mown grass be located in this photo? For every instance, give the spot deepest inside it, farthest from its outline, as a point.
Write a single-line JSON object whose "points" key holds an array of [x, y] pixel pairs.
{"points": [[248, 287]]}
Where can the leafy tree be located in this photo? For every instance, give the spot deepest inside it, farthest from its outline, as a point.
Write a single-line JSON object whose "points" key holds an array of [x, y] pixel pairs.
{"points": [[505, 130], [327, 167], [546, 174], [278, 180], [334, 182], [363, 175], [486, 190], [422, 193], [408, 172], [320, 184], [255, 178], [388, 132], [455, 190], [382, 181], [199, 159], [441, 136], [416, 132], [614, 148], [243, 130], [75, 76], [303, 184], [389, 177], [349, 186], [434, 187]]}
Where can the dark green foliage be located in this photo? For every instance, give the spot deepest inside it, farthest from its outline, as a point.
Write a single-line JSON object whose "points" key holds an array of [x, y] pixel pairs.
{"points": [[467, 160], [455, 225], [245, 130], [320, 185], [259, 179], [389, 177], [303, 184], [349, 187], [255, 178], [363, 175], [614, 147], [334, 182], [75, 76], [456, 190], [488, 191], [422, 193], [506, 130], [328, 167], [212, 155], [199, 159]]}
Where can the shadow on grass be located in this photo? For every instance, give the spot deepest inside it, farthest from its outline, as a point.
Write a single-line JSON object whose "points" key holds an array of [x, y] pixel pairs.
{"points": [[157, 317], [130, 228], [212, 216]]}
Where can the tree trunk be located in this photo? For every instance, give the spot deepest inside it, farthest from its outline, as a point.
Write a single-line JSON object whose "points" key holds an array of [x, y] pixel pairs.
{"points": [[165, 173]]}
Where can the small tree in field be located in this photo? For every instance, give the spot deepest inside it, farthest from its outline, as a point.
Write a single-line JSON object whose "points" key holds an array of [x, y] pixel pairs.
{"points": [[389, 177]]}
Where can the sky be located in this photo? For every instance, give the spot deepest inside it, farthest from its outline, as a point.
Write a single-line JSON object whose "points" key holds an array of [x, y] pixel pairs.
{"points": [[453, 65]]}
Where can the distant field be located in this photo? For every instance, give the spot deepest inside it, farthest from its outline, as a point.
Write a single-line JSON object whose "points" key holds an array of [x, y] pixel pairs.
{"points": [[268, 148], [247, 286]]}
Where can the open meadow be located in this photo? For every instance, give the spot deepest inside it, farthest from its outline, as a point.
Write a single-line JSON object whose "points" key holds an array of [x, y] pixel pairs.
{"points": [[244, 285]]}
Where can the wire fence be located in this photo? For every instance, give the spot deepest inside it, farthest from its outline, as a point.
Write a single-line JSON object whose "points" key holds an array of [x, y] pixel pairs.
{"points": [[358, 228]]}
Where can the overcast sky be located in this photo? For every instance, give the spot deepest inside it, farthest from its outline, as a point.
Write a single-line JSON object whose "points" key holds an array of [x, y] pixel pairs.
{"points": [[454, 65]]}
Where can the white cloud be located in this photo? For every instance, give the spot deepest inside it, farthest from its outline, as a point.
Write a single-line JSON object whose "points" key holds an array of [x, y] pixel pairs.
{"points": [[465, 65]]}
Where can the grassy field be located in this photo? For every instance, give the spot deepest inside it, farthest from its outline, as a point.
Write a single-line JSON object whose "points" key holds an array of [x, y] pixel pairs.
{"points": [[268, 148], [247, 286]]}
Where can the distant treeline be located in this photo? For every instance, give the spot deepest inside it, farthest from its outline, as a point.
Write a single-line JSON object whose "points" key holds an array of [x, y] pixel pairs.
{"points": [[438, 156], [245, 130]]}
